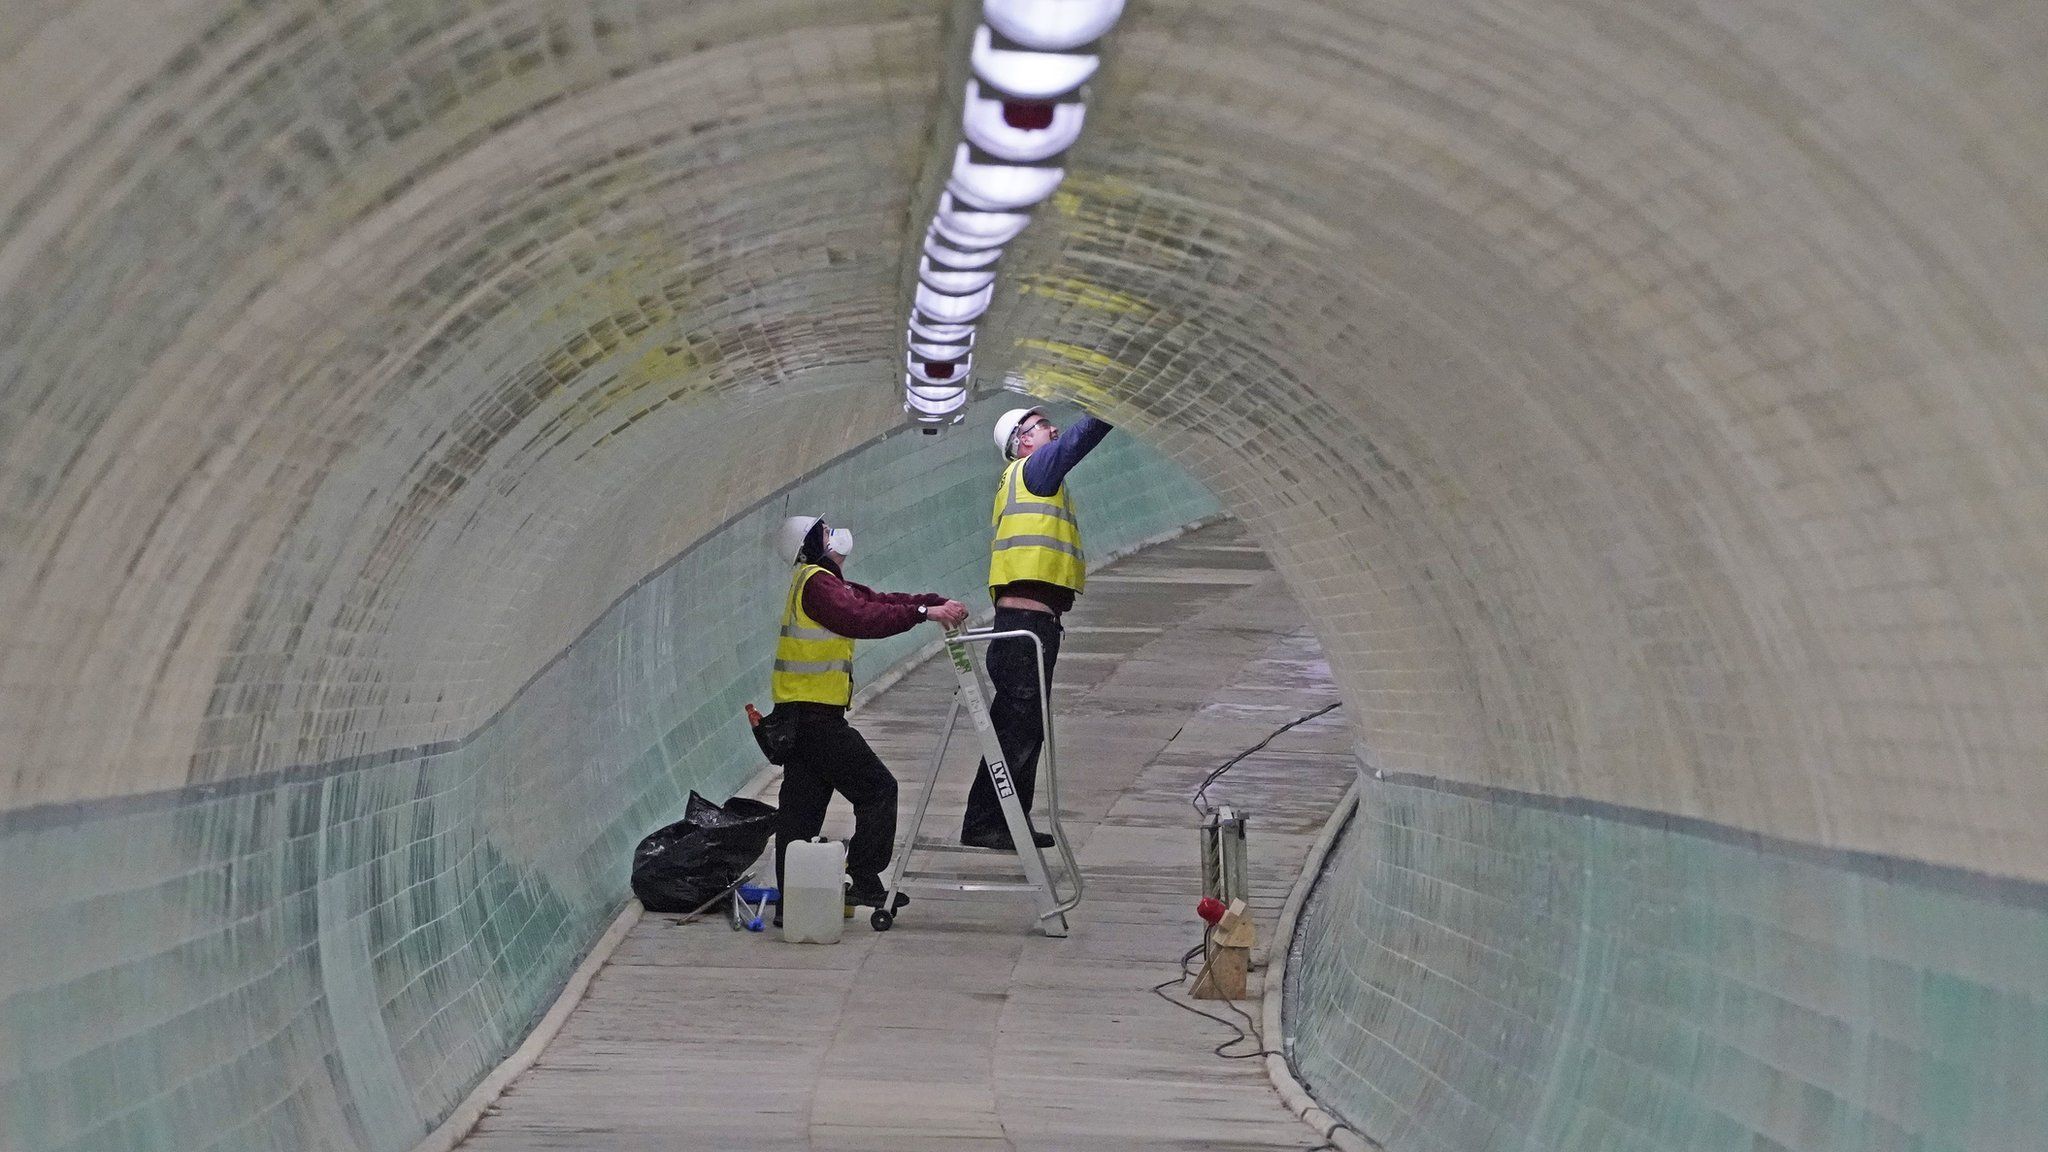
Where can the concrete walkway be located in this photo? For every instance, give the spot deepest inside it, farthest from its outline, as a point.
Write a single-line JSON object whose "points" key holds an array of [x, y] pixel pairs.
{"points": [[963, 1028]]}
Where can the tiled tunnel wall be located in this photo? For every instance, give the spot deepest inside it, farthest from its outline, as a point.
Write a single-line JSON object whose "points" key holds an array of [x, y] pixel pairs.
{"points": [[1643, 397], [332, 955], [1482, 971]]}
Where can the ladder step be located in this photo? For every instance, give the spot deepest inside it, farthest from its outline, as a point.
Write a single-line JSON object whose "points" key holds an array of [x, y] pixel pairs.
{"points": [[964, 877], [923, 845], [959, 884], [944, 846]]}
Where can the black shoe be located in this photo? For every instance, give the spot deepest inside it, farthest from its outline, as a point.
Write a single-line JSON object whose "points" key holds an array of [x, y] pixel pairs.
{"points": [[999, 839], [875, 897]]}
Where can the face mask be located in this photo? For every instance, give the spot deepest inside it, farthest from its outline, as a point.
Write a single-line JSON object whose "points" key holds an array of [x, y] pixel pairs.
{"points": [[840, 540]]}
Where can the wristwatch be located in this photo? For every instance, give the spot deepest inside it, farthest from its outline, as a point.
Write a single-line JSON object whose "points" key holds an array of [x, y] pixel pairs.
{"points": [[921, 610]]}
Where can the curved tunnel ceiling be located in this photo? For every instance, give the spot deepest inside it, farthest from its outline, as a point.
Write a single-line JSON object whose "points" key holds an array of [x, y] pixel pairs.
{"points": [[1646, 400]]}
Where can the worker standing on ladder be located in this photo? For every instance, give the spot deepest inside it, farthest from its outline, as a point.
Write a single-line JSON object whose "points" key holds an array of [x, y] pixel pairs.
{"points": [[1036, 568], [821, 618]]}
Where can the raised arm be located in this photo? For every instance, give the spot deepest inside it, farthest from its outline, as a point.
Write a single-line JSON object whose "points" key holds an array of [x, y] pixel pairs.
{"points": [[1046, 469]]}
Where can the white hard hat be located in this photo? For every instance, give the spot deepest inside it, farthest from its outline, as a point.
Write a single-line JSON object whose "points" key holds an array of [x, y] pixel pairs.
{"points": [[790, 540], [1006, 424]]}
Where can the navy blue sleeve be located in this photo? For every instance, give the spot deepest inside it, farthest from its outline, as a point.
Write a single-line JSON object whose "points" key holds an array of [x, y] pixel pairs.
{"points": [[1046, 469]]}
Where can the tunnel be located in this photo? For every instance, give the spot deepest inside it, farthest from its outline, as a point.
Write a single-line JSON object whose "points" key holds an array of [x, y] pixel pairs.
{"points": [[1645, 402]]}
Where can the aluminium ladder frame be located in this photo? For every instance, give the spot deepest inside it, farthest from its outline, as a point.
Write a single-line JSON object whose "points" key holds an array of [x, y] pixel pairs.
{"points": [[1038, 879]]}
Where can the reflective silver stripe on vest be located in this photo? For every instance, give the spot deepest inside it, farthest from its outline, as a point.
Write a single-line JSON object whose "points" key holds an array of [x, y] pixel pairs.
{"points": [[1032, 507], [814, 667], [1057, 545], [1035, 509], [795, 632]]}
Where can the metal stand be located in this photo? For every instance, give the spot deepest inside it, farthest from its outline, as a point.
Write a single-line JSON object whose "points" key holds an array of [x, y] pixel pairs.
{"points": [[1223, 855], [1038, 878]]}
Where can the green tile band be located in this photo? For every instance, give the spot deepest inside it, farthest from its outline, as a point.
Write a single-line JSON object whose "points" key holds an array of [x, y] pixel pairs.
{"points": [[1483, 971]]}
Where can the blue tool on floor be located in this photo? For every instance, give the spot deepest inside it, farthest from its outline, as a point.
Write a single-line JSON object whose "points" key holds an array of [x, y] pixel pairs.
{"points": [[750, 905]]}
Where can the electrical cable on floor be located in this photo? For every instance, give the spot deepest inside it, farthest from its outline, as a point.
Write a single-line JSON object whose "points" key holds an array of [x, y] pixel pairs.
{"points": [[1201, 804], [1159, 990]]}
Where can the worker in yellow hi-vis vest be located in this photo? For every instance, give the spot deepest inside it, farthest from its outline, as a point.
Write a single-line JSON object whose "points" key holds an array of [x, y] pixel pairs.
{"points": [[822, 616], [1036, 568]]}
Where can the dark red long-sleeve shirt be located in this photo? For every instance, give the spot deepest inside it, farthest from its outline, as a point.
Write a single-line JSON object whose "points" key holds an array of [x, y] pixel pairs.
{"points": [[859, 611]]}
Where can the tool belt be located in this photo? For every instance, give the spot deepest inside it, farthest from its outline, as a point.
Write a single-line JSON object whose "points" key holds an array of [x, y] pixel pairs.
{"points": [[776, 734]]}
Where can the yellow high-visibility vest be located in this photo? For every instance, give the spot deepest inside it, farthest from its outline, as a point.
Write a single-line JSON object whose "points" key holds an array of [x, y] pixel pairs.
{"points": [[812, 662], [1037, 537]]}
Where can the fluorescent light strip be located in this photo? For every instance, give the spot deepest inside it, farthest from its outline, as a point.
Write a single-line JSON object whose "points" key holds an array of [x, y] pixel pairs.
{"points": [[1051, 25], [1024, 108]]}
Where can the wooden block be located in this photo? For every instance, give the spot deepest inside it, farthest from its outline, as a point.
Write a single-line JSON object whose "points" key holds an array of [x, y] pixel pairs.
{"points": [[1223, 977], [1235, 929]]}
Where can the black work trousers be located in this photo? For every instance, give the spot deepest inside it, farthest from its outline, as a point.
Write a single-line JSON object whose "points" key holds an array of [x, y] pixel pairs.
{"points": [[1013, 668], [831, 756]]}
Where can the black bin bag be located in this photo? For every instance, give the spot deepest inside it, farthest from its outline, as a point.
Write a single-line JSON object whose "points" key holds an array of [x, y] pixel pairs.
{"points": [[681, 867]]}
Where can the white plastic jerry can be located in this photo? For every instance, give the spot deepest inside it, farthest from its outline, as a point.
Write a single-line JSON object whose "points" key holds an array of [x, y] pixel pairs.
{"points": [[814, 892]]}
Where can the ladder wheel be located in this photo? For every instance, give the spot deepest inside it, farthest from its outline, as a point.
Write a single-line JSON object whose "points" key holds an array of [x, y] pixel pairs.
{"points": [[882, 919]]}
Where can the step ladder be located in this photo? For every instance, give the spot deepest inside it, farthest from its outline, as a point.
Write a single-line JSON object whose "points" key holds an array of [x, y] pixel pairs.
{"points": [[1037, 879]]}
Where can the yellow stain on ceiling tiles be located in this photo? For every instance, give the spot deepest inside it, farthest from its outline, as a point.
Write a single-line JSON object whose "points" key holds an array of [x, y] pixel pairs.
{"points": [[1072, 353], [1080, 187], [662, 364], [1063, 369], [1049, 381], [1078, 293]]}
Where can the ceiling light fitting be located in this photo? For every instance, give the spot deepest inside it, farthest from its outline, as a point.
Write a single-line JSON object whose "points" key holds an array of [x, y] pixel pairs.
{"points": [[1024, 107]]}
